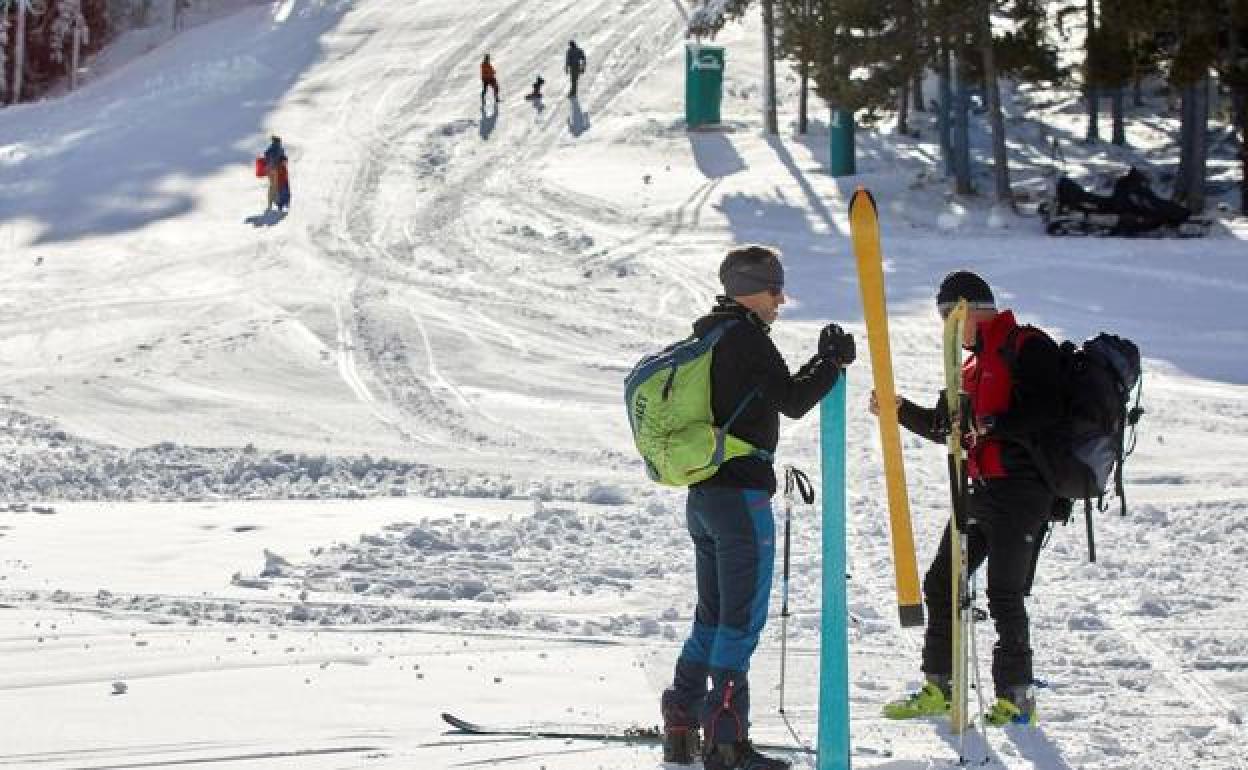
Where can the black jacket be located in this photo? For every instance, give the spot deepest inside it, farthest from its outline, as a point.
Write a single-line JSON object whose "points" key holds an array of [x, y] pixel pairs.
{"points": [[574, 61], [744, 360]]}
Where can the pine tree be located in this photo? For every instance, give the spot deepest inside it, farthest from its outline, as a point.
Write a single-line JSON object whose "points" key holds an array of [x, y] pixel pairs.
{"points": [[797, 39], [857, 65], [711, 15], [1233, 69], [1197, 23]]}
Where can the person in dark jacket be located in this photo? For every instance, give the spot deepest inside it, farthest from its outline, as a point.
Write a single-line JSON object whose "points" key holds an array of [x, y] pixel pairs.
{"points": [[729, 515], [574, 65], [1013, 397]]}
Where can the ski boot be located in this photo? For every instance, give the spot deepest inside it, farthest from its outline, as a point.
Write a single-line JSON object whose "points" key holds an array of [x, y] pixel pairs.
{"points": [[740, 756], [1017, 707], [931, 700], [682, 735]]}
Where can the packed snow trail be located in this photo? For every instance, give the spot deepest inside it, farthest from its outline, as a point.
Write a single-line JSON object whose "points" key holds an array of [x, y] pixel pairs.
{"points": [[444, 312]]}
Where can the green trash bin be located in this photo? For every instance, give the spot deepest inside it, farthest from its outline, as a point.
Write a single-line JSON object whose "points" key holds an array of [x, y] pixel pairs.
{"points": [[704, 84], [841, 140]]}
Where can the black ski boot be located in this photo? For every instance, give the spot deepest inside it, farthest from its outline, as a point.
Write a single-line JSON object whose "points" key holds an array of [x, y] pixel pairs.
{"points": [[682, 735], [740, 756]]}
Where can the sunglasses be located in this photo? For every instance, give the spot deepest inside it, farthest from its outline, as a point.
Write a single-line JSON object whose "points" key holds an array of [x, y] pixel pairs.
{"points": [[945, 308]]}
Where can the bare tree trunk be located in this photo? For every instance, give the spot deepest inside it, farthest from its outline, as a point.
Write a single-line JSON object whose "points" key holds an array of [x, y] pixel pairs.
{"points": [[961, 125], [1241, 115], [770, 122], [903, 108], [946, 107], [804, 71], [1193, 155], [19, 52], [917, 86], [1093, 98], [1118, 103], [992, 88], [76, 44], [1200, 147]]}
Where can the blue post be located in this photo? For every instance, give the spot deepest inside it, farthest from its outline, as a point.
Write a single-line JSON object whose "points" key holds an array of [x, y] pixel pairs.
{"points": [[834, 749]]}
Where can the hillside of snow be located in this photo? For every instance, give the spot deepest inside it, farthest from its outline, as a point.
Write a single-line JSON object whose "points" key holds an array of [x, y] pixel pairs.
{"points": [[276, 491]]}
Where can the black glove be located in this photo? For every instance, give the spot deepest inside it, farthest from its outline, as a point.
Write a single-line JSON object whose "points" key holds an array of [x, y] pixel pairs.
{"points": [[837, 344]]}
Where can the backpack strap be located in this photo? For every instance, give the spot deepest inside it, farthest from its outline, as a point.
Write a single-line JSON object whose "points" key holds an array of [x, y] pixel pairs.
{"points": [[761, 454], [1130, 417], [740, 408]]}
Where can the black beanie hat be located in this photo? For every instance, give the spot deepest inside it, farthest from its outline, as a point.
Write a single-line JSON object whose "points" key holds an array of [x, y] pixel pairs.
{"points": [[751, 269], [963, 284]]}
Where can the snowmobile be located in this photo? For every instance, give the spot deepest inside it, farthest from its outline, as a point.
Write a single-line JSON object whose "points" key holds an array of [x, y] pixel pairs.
{"points": [[1132, 209]]}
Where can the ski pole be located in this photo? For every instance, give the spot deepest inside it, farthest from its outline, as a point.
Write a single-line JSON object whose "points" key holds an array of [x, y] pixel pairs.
{"points": [[794, 481], [974, 617], [784, 581]]}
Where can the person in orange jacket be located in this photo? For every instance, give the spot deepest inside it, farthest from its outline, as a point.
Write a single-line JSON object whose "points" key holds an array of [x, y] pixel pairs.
{"points": [[279, 178], [488, 80]]}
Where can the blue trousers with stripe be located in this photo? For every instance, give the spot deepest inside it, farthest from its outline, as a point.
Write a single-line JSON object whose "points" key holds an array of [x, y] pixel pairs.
{"points": [[734, 538]]}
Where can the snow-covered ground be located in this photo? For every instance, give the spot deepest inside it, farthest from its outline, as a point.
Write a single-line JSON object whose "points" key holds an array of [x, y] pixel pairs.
{"points": [[441, 325]]}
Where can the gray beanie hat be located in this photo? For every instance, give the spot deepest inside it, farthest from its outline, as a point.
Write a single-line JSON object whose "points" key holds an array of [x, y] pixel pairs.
{"points": [[751, 269]]}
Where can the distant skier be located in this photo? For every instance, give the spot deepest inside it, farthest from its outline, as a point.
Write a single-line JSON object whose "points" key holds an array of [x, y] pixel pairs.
{"points": [[536, 93], [574, 65], [488, 79], [279, 179]]}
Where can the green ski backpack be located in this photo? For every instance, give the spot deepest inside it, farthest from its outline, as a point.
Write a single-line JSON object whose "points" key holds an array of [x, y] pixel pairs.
{"points": [[668, 395]]}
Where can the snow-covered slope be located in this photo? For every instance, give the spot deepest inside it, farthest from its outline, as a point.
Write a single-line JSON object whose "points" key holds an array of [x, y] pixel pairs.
{"points": [[463, 290]]}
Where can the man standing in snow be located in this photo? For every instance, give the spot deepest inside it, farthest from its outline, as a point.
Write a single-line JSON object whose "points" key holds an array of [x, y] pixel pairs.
{"points": [[1011, 385], [279, 182], [574, 65], [729, 515], [488, 80]]}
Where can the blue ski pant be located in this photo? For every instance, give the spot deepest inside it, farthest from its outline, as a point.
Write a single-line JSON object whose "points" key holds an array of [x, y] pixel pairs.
{"points": [[733, 532]]}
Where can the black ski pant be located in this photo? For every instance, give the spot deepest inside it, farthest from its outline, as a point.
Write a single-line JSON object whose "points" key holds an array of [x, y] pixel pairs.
{"points": [[1006, 519]]}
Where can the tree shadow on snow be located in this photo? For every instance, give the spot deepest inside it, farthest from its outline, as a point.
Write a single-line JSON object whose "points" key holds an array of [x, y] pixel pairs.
{"points": [[115, 157], [267, 219], [819, 274], [578, 120], [820, 278]]}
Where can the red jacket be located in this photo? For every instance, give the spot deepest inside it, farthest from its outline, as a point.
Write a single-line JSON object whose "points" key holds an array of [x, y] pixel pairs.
{"points": [[988, 382], [487, 71], [1021, 399]]}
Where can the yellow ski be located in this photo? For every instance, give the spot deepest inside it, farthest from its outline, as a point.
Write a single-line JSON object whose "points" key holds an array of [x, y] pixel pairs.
{"points": [[962, 627], [865, 230]]}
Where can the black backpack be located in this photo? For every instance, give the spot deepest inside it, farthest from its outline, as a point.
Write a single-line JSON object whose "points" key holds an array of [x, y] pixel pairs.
{"points": [[1083, 458]]}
